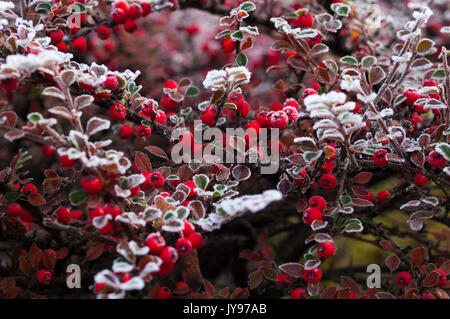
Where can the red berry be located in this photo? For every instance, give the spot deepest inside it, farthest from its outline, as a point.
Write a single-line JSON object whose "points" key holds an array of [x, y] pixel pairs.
{"points": [[318, 202], [111, 83], [67, 162], [327, 181], [442, 277], [306, 20], [196, 240], [64, 215], [62, 47], [96, 212], [436, 159], [103, 32], [118, 16], [228, 45], [370, 197], [291, 112], [208, 117], [403, 279], [112, 209], [192, 186], [165, 269], [43, 276], [79, 45], [130, 25], [308, 92], [420, 180], [126, 131], [48, 151], [428, 296], [14, 209], [92, 184], [188, 229], [143, 131], [10, 84], [29, 189], [169, 104], [161, 117], [56, 36], [279, 120], [311, 214], [117, 112], [326, 249], [379, 157], [412, 95], [157, 180], [281, 278], [383, 196], [76, 214], [134, 11], [183, 245], [298, 294], [312, 276], [169, 255], [164, 293], [146, 9], [156, 243]]}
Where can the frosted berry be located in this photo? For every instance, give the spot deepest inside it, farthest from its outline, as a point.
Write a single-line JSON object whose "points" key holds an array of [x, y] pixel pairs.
{"points": [[311, 214], [298, 294], [379, 157], [117, 112], [412, 95], [130, 25], [312, 276], [79, 45], [157, 179], [188, 229], [64, 215], [169, 255], [118, 16], [281, 278], [403, 279], [29, 189], [143, 131], [327, 181], [66, 161], [318, 202], [196, 240], [10, 84], [326, 249], [111, 83], [156, 243], [56, 36], [103, 32], [442, 277], [126, 131], [134, 11], [228, 45], [183, 246], [146, 9], [420, 180], [279, 120], [436, 159]]}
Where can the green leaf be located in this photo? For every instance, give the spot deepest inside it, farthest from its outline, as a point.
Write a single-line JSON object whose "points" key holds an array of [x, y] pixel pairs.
{"points": [[78, 8], [353, 225], [34, 117], [444, 150], [78, 197], [44, 6], [237, 36], [346, 200], [12, 196], [248, 6], [291, 15], [341, 9], [186, 111], [230, 106], [202, 106], [323, 90], [201, 181], [241, 59], [311, 156], [438, 74], [348, 59], [192, 91]]}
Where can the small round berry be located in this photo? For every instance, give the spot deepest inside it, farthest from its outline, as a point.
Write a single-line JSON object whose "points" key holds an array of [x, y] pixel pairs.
{"points": [[111, 83], [183, 246], [130, 25], [298, 294], [10, 84], [403, 279], [43, 276], [165, 269], [79, 45], [383, 196], [279, 120], [67, 162], [76, 214], [442, 277], [330, 152], [169, 104], [196, 240], [48, 151], [188, 229], [112, 209], [92, 184], [14, 209], [326, 249], [436, 159], [318, 202], [311, 214], [56, 36], [308, 92], [412, 95], [134, 11], [156, 243], [126, 131], [370, 197], [327, 181], [281, 278], [117, 112], [228, 46], [64, 215], [161, 117], [379, 157], [306, 20], [96, 212], [164, 293], [146, 9], [208, 116], [103, 32], [29, 189], [157, 179], [62, 47], [169, 255], [107, 229], [118, 16], [143, 131], [420, 180], [312, 276], [428, 296]]}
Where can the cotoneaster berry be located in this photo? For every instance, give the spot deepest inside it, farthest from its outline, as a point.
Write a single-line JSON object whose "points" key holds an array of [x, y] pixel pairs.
{"points": [[169, 104], [279, 120], [312, 276], [126, 131], [79, 45], [103, 32], [134, 11], [412, 95], [157, 180], [64, 215], [183, 246], [29, 189], [14, 209], [298, 294], [208, 116], [383, 196], [326, 249], [67, 162], [228, 45], [56, 36], [327, 181], [146, 9], [403, 279], [428, 296], [130, 25], [112, 209], [117, 112], [48, 151], [311, 214], [281, 278], [118, 16], [379, 158], [442, 277], [308, 92], [306, 20], [10, 84], [165, 269], [169, 254], [164, 293], [436, 159], [370, 196], [43, 276], [318, 202], [420, 180], [143, 131], [188, 229], [111, 83], [92, 184], [161, 117], [156, 243], [192, 186], [196, 240]]}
